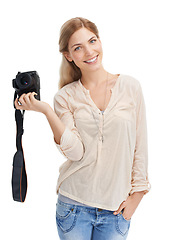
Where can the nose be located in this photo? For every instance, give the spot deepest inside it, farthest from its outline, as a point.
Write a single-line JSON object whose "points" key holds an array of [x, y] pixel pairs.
{"points": [[88, 50]]}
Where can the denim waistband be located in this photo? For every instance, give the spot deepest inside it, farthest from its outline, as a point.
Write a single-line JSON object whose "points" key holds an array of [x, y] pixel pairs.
{"points": [[84, 208]]}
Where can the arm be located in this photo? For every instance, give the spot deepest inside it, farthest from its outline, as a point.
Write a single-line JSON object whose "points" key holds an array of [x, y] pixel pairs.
{"points": [[55, 123], [140, 184], [30, 103], [69, 143], [140, 180], [130, 205]]}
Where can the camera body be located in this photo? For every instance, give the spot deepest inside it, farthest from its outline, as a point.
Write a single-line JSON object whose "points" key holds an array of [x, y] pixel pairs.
{"points": [[26, 82]]}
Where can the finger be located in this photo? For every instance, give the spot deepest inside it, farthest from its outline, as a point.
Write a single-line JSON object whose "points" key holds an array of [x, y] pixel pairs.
{"points": [[125, 215], [21, 99], [19, 107], [26, 98], [32, 98], [123, 204]]}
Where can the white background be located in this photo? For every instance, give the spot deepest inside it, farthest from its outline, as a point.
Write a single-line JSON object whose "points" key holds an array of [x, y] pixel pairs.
{"points": [[135, 42]]}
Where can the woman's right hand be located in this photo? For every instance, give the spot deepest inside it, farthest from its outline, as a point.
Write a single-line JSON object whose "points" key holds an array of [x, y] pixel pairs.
{"points": [[29, 102]]}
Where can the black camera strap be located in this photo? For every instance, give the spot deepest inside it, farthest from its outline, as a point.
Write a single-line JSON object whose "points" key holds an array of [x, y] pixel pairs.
{"points": [[19, 176]]}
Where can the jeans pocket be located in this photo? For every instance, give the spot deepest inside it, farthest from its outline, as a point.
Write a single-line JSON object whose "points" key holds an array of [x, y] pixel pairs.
{"points": [[65, 217], [123, 216], [122, 225]]}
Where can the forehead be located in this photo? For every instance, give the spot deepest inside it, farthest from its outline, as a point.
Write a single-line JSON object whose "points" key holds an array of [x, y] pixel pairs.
{"points": [[80, 36]]}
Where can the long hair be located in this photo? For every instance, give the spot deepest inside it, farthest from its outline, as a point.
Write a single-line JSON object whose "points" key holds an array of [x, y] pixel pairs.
{"points": [[69, 72]]}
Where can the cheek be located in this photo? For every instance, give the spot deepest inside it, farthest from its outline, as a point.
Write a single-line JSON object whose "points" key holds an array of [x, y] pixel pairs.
{"points": [[77, 57], [99, 48]]}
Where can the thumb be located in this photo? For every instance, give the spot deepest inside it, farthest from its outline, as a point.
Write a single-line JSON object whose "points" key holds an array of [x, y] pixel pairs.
{"points": [[32, 96], [34, 93]]}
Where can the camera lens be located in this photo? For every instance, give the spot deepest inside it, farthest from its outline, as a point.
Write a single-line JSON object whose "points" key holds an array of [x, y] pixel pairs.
{"points": [[24, 80]]}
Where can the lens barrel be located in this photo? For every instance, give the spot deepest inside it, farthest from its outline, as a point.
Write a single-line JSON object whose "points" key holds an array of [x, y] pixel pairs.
{"points": [[23, 80]]}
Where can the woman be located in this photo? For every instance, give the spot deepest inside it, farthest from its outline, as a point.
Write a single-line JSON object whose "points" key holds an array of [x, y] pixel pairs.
{"points": [[99, 125]]}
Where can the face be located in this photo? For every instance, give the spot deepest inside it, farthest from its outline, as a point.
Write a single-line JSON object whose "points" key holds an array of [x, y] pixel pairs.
{"points": [[85, 49]]}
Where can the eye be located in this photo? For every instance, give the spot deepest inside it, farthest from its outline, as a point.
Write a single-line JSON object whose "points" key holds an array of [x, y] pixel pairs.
{"points": [[93, 40], [77, 48]]}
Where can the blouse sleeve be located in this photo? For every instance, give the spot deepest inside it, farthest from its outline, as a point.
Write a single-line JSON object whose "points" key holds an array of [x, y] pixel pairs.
{"points": [[140, 180], [71, 145]]}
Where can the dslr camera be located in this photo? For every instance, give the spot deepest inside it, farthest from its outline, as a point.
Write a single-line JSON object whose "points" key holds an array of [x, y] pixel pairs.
{"points": [[26, 82]]}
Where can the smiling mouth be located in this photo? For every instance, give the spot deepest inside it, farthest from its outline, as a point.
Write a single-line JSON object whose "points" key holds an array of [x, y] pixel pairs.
{"points": [[92, 60]]}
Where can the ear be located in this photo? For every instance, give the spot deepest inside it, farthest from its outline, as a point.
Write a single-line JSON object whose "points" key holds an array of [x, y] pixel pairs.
{"points": [[67, 56]]}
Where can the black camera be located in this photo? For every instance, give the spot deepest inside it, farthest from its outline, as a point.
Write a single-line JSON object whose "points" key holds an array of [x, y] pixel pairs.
{"points": [[27, 82]]}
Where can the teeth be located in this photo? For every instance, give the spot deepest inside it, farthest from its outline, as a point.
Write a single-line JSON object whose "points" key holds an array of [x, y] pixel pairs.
{"points": [[92, 60]]}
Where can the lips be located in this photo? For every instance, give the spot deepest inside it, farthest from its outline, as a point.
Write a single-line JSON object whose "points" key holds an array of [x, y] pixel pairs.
{"points": [[92, 60]]}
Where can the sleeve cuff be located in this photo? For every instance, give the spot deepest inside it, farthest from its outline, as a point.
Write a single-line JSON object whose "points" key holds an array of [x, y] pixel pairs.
{"points": [[70, 145], [145, 188], [65, 138]]}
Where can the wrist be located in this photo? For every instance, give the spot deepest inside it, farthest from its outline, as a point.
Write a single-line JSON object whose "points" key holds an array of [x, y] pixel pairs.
{"points": [[138, 195], [47, 111]]}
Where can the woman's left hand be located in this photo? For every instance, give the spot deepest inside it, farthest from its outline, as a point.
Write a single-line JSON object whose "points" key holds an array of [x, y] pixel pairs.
{"points": [[130, 205]]}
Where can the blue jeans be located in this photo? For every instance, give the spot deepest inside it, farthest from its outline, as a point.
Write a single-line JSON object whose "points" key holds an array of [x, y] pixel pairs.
{"points": [[76, 222]]}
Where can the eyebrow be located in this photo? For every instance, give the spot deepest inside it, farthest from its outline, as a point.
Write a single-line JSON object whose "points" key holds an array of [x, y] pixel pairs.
{"points": [[77, 44]]}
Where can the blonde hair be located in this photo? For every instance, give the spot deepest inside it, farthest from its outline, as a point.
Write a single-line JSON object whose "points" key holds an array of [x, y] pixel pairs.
{"points": [[69, 72]]}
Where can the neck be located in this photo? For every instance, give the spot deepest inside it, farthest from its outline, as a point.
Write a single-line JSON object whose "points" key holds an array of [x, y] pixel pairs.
{"points": [[94, 79]]}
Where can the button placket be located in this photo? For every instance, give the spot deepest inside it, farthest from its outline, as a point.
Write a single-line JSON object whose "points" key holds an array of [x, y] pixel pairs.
{"points": [[101, 127]]}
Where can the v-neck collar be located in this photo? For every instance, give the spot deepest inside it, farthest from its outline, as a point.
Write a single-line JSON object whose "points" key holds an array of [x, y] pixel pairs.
{"points": [[87, 92]]}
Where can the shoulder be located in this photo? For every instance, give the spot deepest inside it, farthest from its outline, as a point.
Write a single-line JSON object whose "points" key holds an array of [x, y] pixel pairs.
{"points": [[67, 91], [130, 82]]}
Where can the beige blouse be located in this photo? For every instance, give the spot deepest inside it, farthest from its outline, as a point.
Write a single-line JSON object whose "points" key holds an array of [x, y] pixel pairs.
{"points": [[102, 172]]}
